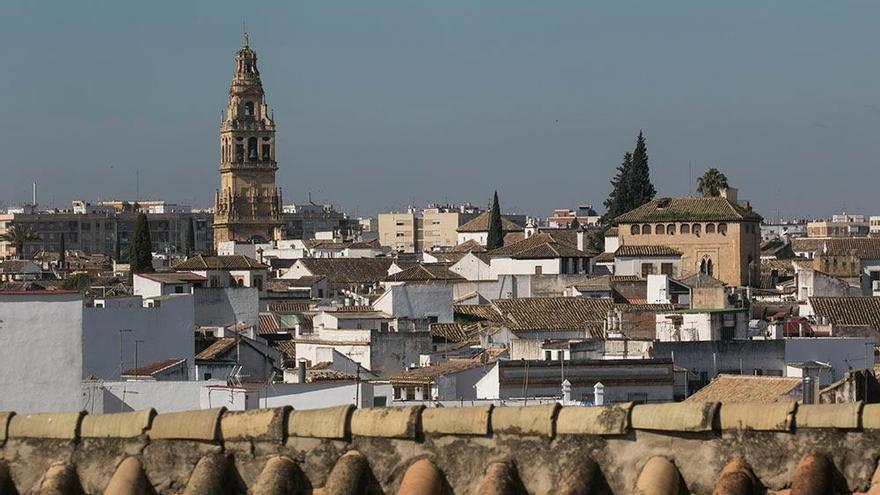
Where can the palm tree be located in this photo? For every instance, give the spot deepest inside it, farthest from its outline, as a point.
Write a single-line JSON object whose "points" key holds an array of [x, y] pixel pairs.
{"points": [[18, 236], [711, 183]]}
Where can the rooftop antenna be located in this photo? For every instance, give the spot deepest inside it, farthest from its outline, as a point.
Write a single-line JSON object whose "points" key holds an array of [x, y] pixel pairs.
{"points": [[137, 185], [244, 33], [690, 185]]}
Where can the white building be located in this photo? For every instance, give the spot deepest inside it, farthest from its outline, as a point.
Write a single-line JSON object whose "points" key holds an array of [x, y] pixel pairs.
{"points": [[50, 341]]}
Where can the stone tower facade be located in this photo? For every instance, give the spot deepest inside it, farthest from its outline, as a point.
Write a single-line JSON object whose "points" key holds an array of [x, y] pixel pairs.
{"points": [[247, 207]]}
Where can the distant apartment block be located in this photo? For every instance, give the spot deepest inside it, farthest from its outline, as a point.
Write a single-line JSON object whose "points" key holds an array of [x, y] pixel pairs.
{"points": [[417, 230]]}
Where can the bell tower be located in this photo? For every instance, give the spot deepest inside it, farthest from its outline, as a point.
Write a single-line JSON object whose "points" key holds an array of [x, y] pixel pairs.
{"points": [[247, 207]]}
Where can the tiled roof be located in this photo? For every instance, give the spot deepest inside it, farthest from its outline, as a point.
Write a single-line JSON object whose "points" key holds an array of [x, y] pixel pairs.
{"points": [[427, 374], [644, 306], [688, 210], [218, 348], [201, 262], [468, 246], [702, 280], [424, 272], [450, 332], [480, 223], [626, 278], [268, 324], [604, 258], [538, 246], [153, 368], [552, 313], [749, 389], [646, 251], [16, 266], [287, 348], [173, 277], [289, 306], [349, 270], [859, 311], [602, 282], [362, 308], [485, 312], [780, 265], [863, 247]]}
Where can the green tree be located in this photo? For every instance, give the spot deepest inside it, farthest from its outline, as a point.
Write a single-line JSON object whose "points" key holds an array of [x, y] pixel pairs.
{"points": [[140, 252], [495, 238], [596, 241], [631, 187], [574, 225], [190, 244], [641, 186], [18, 236], [62, 252], [711, 183], [619, 198]]}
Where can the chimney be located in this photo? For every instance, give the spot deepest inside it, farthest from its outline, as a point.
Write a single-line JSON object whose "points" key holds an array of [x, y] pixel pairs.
{"points": [[730, 193], [301, 371], [808, 390], [34, 199]]}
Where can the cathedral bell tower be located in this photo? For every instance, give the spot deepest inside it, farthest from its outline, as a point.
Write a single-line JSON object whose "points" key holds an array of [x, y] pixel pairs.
{"points": [[247, 207]]}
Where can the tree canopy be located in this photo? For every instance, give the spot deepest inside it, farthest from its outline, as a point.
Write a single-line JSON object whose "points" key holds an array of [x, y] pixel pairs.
{"points": [[140, 252], [495, 239], [18, 235], [631, 186], [712, 183]]}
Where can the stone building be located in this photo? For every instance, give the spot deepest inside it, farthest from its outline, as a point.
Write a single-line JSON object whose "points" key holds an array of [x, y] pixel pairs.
{"points": [[247, 205], [716, 236]]}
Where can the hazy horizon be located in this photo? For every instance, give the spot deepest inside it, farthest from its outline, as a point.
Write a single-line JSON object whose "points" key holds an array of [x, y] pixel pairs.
{"points": [[384, 104]]}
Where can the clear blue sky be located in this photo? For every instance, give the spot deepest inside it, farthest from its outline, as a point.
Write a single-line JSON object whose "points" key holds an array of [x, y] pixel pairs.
{"points": [[380, 104]]}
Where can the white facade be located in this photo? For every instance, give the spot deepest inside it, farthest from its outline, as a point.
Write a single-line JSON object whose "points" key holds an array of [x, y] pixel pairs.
{"points": [[50, 343], [509, 266], [472, 267], [626, 266], [417, 302]]}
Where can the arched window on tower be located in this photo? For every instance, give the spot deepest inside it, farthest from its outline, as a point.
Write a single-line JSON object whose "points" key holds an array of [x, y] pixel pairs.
{"points": [[252, 148], [248, 109], [267, 152], [660, 229], [709, 267], [634, 230], [703, 266], [646, 229]]}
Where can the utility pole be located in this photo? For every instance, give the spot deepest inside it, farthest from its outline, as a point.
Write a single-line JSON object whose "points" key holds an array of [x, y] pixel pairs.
{"points": [[136, 343]]}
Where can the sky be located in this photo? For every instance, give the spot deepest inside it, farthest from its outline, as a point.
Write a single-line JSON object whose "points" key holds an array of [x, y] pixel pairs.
{"points": [[382, 104]]}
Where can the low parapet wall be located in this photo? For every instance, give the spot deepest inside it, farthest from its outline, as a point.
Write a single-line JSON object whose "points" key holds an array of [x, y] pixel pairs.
{"points": [[657, 449]]}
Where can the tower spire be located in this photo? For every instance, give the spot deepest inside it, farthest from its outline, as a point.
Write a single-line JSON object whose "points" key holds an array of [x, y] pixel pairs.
{"points": [[246, 38]]}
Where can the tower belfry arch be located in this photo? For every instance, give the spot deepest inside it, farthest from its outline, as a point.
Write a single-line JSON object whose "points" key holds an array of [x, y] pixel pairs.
{"points": [[247, 206]]}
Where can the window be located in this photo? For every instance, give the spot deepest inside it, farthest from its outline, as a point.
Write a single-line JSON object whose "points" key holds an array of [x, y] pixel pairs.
{"points": [[647, 269], [399, 223], [722, 228], [178, 289], [667, 269], [670, 229], [252, 148], [207, 376], [249, 109], [400, 234], [710, 228], [548, 355], [660, 229], [267, 152], [646, 229], [634, 230], [709, 267], [239, 152], [539, 270], [695, 228], [685, 229]]}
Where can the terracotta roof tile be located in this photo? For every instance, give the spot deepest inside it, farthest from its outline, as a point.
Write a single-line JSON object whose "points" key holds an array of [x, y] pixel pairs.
{"points": [[541, 245], [349, 270], [688, 210], [748, 389], [863, 247], [857, 311], [153, 368], [553, 313], [480, 223], [289, 306], [450, 332], [646, 251], [424, 272], [218, 348]]}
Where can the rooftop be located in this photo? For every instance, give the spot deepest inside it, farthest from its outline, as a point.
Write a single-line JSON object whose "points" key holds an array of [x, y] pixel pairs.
{"points": [[863, 247], [539, 246], [480, 223], [646, 251], [151, 369], [749, 389], [348, 270], [201, 262], [429, 272], [857, 311], [714, 209]]}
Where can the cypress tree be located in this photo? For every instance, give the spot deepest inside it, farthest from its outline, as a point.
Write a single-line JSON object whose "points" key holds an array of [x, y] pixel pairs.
{"points": [[631, 186], [495, 238], [574, 225], [641, 186], [190, 245], [619, 197], [140, 252], [62, 255], [117, 250]]}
